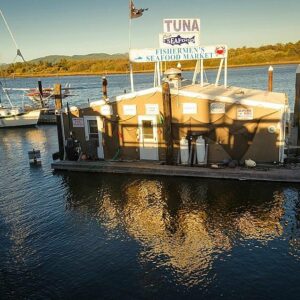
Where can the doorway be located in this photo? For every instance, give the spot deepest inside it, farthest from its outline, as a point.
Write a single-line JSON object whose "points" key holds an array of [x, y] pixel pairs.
{"points": [[93, 132], [148, 137]]}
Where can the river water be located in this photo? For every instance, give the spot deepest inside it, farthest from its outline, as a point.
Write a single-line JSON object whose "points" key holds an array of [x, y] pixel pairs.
{"points": [[95, 236]]}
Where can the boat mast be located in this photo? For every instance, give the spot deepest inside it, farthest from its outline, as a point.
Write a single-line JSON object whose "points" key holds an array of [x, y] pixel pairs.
{"points": [[130, 63], [12, 36]]}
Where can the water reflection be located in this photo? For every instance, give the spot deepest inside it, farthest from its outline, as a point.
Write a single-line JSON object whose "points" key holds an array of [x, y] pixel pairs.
{"points": [[182, 226], [14, 139]]}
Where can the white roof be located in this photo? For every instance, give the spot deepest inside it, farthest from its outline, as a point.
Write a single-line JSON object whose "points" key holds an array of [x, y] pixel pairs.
{"points": [[230, 94]]}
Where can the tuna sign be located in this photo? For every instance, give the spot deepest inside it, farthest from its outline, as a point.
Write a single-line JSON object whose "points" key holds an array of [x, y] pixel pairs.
{"points": [[180, 33], [177, 54], [181, 25]]}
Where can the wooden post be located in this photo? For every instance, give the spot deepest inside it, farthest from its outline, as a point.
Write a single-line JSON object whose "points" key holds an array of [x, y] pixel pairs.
{"points": [[166, 94], [57, 96], [270, 79], [60, 136], [40, 87], [69, 120], [104, 87], [297, 104]]}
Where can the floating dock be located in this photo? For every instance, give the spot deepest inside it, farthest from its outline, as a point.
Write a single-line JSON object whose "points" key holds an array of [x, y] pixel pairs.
{"points": [[263, 173], [47, 117]]}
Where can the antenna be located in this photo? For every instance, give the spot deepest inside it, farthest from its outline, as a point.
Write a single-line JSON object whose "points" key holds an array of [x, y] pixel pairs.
{"points": [[12, 36]]}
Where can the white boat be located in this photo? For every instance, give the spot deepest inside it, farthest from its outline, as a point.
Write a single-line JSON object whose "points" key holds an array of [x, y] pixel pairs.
{"points": [[18, 117]]}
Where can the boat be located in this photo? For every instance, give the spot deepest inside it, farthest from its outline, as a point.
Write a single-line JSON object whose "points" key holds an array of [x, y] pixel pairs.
{"points": [[37, 95], [17, 116], [40, 95]]}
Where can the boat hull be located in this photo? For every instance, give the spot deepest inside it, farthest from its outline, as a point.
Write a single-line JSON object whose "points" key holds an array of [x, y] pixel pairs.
{"points": [[27, 119]]}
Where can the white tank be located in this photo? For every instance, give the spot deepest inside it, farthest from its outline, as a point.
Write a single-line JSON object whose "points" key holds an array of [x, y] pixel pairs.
{"points": [[184, 151], [200, 148]]}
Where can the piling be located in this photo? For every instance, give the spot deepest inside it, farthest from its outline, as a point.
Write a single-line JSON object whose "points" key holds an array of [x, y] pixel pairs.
{"points": [[57, 97], [59, 119], [104, 87], [40, 87], [297, 104], [270, 79], [60, 136], [69, 120], [167, 106]]}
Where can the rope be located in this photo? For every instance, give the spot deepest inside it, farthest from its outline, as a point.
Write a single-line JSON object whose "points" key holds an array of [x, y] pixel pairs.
{"points": [[117, 154]]}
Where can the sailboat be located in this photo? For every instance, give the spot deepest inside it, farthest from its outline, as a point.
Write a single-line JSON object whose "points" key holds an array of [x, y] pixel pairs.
{"points": [[16, 116], [40, 95]]}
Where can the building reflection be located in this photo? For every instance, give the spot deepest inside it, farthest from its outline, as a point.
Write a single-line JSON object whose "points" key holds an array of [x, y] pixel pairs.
{"points": [[182, 226]]}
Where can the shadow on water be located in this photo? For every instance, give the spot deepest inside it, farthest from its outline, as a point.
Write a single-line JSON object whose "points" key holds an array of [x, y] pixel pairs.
{"points": [[194, 233]]}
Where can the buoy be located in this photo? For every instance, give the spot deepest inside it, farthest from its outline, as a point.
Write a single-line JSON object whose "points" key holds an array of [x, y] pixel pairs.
{"points": [[34, 157], [184, 151], [249, 163], [200, 149]]}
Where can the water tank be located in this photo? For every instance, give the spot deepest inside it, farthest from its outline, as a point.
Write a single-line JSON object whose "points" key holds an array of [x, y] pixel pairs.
{"points": [[184, 151], [200, 148]]}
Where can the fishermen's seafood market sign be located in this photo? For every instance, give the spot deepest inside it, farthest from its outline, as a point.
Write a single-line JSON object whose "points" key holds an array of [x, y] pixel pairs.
{"points": [[177, 54], [180, 41]]}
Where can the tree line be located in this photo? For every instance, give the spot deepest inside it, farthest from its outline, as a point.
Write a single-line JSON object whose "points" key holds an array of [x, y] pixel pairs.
{"points": [[279, 53]]}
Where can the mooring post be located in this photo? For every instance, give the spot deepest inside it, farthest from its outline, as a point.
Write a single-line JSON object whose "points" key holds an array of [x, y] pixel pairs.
{"points": [[297, 104], [59, 119], [40, 87], [57, 96], [104, 87], [60, 135], [270, 79], [166, 94]]}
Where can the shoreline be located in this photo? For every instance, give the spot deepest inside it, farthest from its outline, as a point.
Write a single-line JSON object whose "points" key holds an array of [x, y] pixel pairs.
{"points": [[144, 71]]}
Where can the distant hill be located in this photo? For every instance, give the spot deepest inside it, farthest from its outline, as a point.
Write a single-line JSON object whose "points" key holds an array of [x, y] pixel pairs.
{"points": [[102, 63], [93, 56]]}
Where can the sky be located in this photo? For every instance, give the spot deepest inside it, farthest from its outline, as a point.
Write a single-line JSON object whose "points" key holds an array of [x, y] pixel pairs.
{"points": [[70, 27]]}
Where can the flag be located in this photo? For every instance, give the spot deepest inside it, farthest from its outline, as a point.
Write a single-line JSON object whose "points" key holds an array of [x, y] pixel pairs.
{"points": [[134, 12]]}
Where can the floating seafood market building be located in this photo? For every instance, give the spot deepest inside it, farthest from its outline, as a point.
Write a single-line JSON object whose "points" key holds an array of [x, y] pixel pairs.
{"points": [[178, 121]]}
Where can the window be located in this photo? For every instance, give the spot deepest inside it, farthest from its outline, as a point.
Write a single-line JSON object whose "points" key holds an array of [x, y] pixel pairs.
{"points": [[147, 129], [93, 129]]}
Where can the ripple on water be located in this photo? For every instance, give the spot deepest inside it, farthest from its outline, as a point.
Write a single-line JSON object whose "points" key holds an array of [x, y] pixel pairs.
{"points": [[81, 236]]}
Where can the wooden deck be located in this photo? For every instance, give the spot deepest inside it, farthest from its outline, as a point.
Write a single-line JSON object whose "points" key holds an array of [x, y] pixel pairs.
{"points": [[280, 174], [47, 119]]}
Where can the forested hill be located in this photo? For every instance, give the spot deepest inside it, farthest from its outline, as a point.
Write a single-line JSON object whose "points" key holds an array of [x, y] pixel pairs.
{"points": [[93, 56], [101, 63]]}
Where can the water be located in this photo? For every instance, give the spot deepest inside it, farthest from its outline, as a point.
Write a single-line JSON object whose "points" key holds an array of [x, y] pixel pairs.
{"points": [[248, 77], [94, 236]]}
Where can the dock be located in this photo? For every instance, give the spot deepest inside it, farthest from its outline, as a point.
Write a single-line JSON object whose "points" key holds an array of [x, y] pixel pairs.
{"points": [[47, 117], [289, 174]]}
